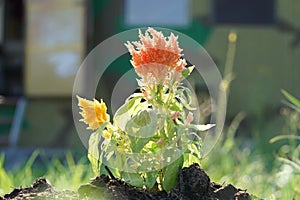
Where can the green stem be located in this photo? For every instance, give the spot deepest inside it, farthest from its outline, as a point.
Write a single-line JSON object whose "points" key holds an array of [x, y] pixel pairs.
{"points": [[161, 178]]}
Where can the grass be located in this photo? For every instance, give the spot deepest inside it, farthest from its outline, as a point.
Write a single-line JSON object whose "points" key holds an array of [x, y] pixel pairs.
{"points": [[267, 170], [248, 165], [63, 173]]}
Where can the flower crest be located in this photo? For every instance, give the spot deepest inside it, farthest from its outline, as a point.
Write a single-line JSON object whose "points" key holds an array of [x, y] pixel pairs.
{"points": [[157, 56]]}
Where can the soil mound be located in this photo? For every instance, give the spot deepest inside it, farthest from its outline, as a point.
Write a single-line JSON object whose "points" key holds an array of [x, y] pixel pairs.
{"points": [[193, 184]]}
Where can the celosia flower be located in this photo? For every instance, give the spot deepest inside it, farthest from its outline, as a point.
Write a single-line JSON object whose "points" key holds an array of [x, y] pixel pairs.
{"points": [[156, 55], [93, 112]]}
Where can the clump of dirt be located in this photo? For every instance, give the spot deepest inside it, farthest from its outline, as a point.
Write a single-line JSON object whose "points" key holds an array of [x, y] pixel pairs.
{"points": [[39, 190], [193, 183]]}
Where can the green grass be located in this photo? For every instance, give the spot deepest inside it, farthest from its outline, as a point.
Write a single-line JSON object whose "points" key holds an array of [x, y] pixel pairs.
{"points": [[63, 174], [252, 164]]}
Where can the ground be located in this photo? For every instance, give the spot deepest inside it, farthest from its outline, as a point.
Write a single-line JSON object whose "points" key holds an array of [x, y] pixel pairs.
{"points": [[193, 183]]}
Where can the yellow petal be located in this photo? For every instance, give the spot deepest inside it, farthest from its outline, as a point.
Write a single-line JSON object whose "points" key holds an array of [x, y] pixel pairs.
{"points": [[93, 113], [100, 109]]}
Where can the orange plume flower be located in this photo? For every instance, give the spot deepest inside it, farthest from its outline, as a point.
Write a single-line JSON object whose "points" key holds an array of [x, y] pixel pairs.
{"points": [[156, 55], [93, 112]]}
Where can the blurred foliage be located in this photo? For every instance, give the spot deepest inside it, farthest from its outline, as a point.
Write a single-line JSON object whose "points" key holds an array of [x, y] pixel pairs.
{"points": [[249, 163], [245, 163], [289, 152]]}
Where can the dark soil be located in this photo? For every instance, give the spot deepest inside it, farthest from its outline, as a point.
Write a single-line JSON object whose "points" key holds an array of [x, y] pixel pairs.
{"points": [[40, 189], [193, 183]]}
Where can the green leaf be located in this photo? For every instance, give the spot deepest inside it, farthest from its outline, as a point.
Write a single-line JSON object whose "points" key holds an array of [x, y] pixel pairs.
{"points": [[93, 151], [185, 97], [190, 159], [291, 98], [115, 172], [176, 107], [195, 137], [141, 128], [194, 150], [201, 127], [150, 178], [185, 73], [137, 144], [120, 161], [143, 125], [133, 179], [130, 108], [170, 178], [102, 170]]}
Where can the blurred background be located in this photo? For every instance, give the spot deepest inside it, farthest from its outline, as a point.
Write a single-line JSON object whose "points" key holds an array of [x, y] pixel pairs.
{"points": [[255, 44]]}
